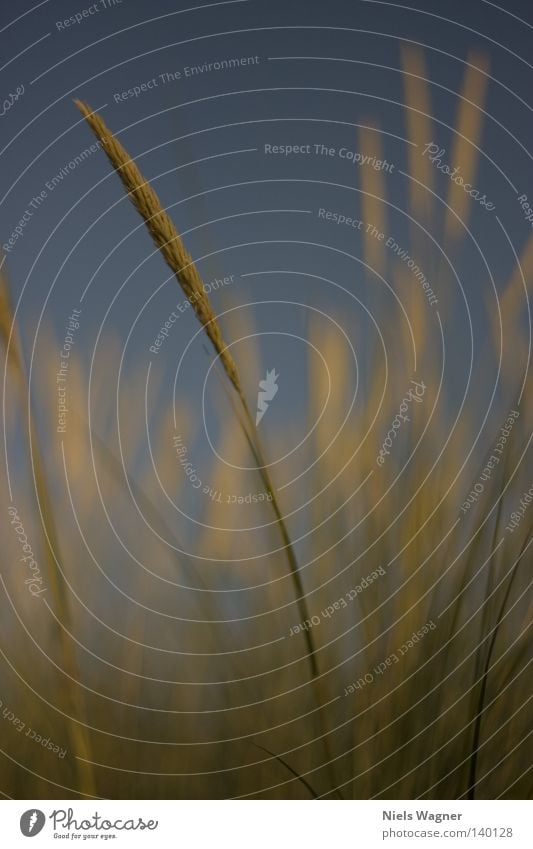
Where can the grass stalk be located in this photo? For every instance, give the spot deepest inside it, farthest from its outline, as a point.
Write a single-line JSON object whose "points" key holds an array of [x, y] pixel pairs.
{"points": [[472, 772], [169, 242], [75, 727]]}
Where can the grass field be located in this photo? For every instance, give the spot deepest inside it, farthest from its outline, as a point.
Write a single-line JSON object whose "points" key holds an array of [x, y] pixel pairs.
{"points": [[366, 638]]}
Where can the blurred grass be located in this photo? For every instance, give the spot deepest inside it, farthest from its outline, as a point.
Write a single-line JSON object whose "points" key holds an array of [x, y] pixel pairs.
{"points": [[174, 676], [140, 639]]}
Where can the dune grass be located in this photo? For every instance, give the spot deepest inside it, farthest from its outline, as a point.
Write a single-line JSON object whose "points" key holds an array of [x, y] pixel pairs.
{"points": [[172, 676]]}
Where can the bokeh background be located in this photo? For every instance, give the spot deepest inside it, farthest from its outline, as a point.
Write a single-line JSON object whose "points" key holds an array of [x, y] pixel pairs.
{"points": [[159, 653]]}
